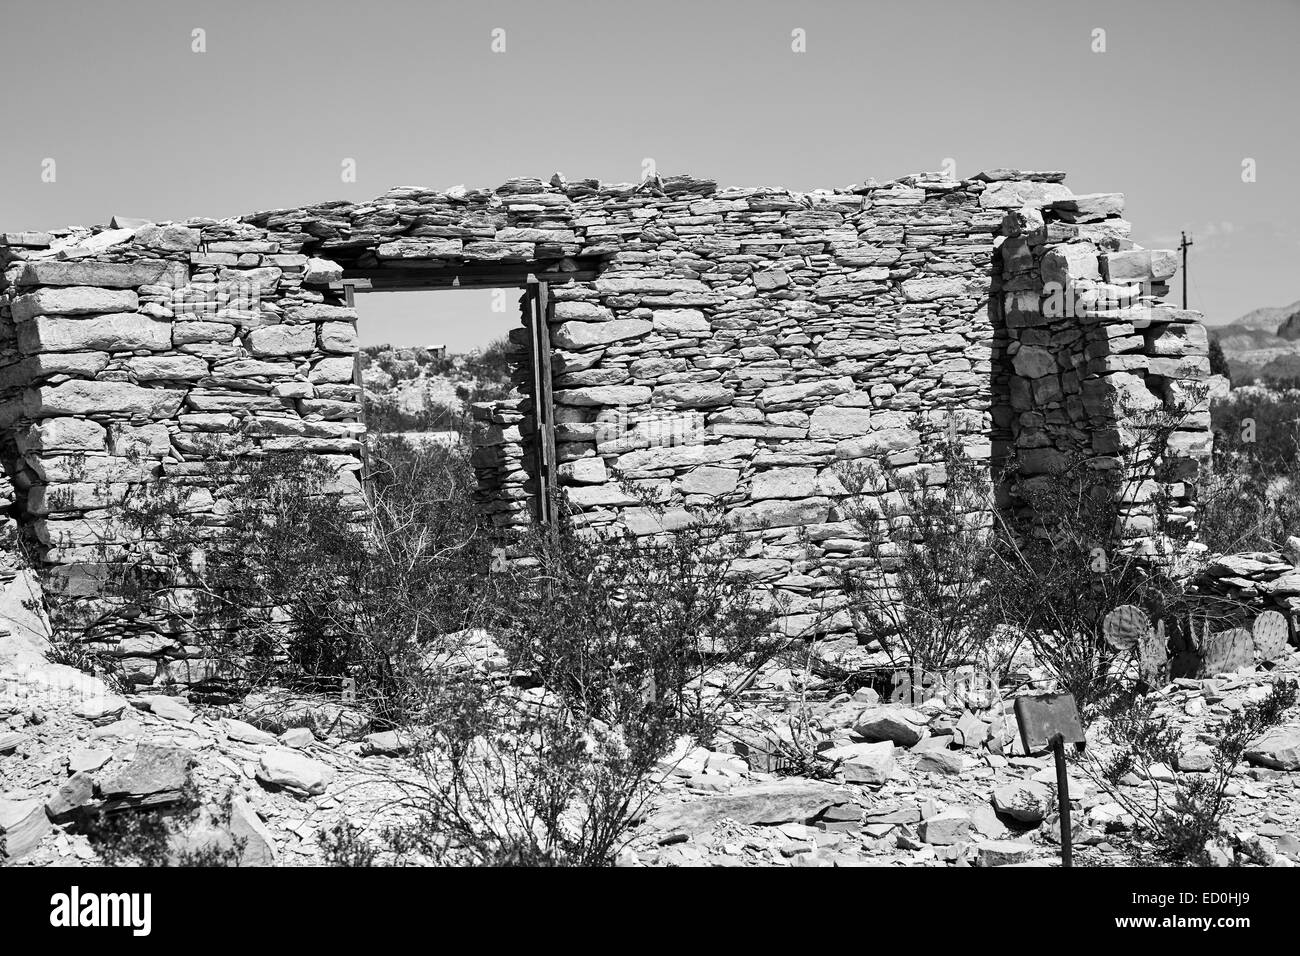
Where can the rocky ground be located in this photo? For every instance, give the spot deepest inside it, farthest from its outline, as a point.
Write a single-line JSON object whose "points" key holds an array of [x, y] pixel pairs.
{"points": [[935, 785], [932, 784]]}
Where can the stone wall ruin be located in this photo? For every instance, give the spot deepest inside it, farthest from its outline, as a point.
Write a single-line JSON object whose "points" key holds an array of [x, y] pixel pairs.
{"points": [[706, 344]]}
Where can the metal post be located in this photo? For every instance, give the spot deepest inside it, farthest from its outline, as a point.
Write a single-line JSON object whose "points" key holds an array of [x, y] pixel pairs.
{"points": [[1183, 246], [1063, 799]]}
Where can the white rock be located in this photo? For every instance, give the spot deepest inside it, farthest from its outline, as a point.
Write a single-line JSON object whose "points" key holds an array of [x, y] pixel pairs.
{"points": [[291, 769], [245, 733], [98, 708]]}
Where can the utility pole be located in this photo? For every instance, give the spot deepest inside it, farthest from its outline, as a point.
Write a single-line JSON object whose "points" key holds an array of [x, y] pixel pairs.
{"points": [[1183, 246]]}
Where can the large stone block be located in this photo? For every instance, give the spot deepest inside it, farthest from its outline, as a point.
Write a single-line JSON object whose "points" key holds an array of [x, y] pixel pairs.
{"points": [[321, 272], [833, 421], [631, 285], [1139, 265], [579, 310], [1033, 361], [492, 251], [105, 275], [320, 312], [338, 337], [1118, 394], [856, 348], [1012, 194], [74, 496], [582, 335], [79, 397], [683, 456], [74, 300], [644, 521], [190, 333], [121, 332], [337, 370], [168, 367], [929, 288], [695, 394], [782, 514], [1177, 339], [592, 496], [683, 322], [611, 395], [282, 340], [420, 249], [709, 480], [801, 391], [1091, 207], [264, 280], [67, 434], [1073, 261], [583, 471], [139, 441], [784, 483], [882, 442]]}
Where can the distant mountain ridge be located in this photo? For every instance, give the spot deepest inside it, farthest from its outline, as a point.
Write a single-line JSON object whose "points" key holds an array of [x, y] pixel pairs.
{"points": [[1263, 343]]}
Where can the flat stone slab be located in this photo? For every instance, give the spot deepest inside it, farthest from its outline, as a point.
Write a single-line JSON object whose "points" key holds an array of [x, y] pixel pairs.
{"points": [[23, 824], [155, 769], [1278, 748], [795, 801]]}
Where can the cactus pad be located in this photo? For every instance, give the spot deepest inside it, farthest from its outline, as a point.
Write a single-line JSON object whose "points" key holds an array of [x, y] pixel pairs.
{"points": [[1270, 634], [1153, 657], [1125, 627], [1227, 651]]}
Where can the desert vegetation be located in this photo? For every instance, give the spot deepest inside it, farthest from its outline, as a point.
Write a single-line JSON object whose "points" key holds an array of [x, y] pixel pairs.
{"points": [[608, 650], [417, 390]]}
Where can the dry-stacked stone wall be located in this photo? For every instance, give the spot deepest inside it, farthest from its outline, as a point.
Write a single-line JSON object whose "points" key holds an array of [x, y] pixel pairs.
{"points": [[1099, 367], [735, 346]]}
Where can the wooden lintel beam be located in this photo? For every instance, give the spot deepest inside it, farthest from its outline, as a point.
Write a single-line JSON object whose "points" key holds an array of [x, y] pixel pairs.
{"points": [[377, 281]]}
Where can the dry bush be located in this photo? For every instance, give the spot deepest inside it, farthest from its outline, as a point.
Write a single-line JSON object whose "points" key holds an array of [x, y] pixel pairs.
{"points": [[1178, 821], [1248, 501], [925, 593]]}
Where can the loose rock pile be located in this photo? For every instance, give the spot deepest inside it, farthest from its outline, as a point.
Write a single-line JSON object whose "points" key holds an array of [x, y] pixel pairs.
{"points": [[911, 788], [940, 781]]}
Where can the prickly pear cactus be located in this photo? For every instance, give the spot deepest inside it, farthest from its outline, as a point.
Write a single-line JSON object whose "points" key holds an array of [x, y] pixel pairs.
{"points": [[1227, 651], [1153, 656], [1270, 634], [1125, 627]]}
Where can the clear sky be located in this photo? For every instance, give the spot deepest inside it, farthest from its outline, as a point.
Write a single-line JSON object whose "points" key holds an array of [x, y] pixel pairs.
{"points": [[139, 124]]}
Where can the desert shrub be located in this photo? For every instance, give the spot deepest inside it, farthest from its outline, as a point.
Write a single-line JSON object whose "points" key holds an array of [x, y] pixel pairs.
{"points": [[620, 636], [1100, 537], [616, 622], [190, 833], [924, 594], [1069, 575], [1219, 361], [386, 416], [492, 363], [299, 581], [1178, 821], [1249, 500]]}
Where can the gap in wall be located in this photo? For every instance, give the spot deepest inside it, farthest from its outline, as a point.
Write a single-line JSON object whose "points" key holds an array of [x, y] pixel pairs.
{"points": [[426, 356]]}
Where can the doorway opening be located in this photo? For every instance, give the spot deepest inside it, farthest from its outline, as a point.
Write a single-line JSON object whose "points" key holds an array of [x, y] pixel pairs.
{"points": [[466, 339], [425, 357]]}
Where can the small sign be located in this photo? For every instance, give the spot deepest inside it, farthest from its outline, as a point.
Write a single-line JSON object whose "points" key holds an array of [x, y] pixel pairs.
{"points": [[1049, 722], [1043, 717]]}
